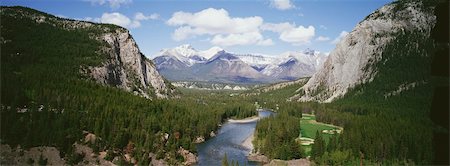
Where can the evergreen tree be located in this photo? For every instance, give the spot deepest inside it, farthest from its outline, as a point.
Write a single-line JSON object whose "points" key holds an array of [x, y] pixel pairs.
{"points": [[225, 160]]}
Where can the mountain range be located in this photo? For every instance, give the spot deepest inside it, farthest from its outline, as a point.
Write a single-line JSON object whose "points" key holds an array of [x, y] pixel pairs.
{"points": [[185, 63]]}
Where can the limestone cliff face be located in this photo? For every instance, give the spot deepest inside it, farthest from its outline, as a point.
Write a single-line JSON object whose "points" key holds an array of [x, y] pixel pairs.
{"points": [[127, 68], [352, 61]]}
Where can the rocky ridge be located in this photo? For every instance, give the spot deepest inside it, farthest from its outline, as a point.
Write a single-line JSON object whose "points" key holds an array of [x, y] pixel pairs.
{"points": [[128, 68], [352, 62]]}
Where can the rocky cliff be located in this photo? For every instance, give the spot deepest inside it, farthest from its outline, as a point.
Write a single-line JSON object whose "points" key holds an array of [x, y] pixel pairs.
{"points": [[127, 68], [353, 61]]}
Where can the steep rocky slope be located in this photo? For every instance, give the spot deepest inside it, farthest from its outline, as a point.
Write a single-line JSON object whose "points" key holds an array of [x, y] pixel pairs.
{"points": [[354, 60], [128, 68]]}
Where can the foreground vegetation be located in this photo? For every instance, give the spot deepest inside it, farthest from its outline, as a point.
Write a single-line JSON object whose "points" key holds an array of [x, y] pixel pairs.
{"points": [[275, 136]]}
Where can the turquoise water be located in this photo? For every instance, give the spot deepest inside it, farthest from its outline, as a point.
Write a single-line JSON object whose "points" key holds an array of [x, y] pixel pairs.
{"points": [[228, 140]]}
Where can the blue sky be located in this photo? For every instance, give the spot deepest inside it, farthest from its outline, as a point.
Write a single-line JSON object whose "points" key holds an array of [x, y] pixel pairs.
{"points": [[242, 26]]}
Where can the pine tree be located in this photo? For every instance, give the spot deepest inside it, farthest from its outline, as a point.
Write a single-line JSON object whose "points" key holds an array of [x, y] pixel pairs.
{"points": [[318, 147], [225, 160]]}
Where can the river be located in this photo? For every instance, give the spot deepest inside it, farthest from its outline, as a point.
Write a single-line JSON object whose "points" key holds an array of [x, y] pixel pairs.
{"points": [[228, 140]]}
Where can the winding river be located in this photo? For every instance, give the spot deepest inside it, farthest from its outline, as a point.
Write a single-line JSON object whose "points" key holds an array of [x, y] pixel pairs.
{"points": [[229, 140]]}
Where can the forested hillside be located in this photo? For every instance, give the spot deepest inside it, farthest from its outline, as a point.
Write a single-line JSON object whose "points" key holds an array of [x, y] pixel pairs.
{"points": [[392, 118], [388, 119]]}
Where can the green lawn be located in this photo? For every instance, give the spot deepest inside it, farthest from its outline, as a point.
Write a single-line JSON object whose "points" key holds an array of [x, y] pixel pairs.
{"points": [[309, 126]]}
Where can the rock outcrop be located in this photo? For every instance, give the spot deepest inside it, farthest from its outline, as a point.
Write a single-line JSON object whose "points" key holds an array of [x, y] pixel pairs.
{"points": [[128, 68], [189, 158], [353, 60]]}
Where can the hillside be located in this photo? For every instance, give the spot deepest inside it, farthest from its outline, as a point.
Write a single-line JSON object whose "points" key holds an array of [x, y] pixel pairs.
{"points": [[368, 50], [382, 83], [385, 83]]}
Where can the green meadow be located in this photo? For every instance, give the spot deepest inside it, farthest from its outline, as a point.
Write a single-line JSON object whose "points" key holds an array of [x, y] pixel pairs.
{"points": [[308, 128]]}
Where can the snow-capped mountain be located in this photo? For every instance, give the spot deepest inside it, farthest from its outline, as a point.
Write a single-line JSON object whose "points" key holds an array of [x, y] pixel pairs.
{"points": [[184, 63], [184, 53], [226, 67], [210, 52], [293, 65], [258, 62]]}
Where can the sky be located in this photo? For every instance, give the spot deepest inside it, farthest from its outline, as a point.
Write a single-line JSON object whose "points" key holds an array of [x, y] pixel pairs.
{"points": [[268, 27]]}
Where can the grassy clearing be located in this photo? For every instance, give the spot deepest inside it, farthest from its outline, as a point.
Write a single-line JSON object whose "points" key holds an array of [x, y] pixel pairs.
{"points": [[309, 126]]}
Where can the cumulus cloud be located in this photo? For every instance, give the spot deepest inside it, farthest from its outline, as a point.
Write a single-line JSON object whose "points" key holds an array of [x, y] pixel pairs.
{"points": [[114, 4], [241, 39], [282, 4], [322, 38], [280, 27], [299, 35], [122, 20], [213, 21], [340, 37], [140, 16], [115, 18], [291, 33], [227, 31]]}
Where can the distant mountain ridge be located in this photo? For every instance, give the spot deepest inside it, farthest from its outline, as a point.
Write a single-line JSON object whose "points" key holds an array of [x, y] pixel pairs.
{"points": [[184, 63]]}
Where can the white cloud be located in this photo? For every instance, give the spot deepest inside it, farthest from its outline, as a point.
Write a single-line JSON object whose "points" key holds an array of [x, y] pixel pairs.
{"points": [[121, 20], [227, 31], [241, 39], [116, 18], [280, 27], [140, 16], [340, 37], [323, 27], [282, 4], [322, 38], [213, 21], [182, 33], [299, 35], [291, 33], [114, 4]]}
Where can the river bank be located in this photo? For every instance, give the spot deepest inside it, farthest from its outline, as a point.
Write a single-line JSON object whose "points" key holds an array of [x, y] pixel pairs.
{"points": [[268, 162], [245, 120], [248, 143]]}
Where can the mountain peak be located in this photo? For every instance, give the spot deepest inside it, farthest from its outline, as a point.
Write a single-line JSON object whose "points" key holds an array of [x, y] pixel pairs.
{"points": [[209, 53]]}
